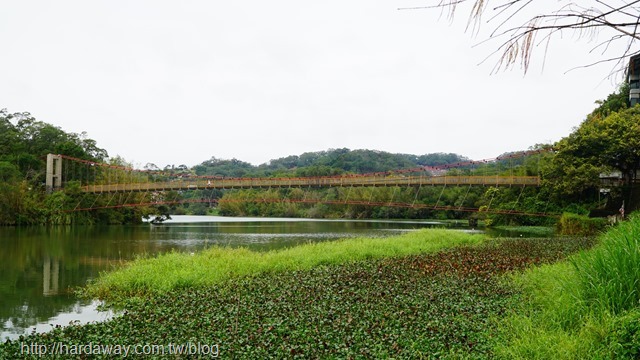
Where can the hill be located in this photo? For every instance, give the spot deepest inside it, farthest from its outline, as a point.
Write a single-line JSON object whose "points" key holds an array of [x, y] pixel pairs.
{"points": [[324, 163]]}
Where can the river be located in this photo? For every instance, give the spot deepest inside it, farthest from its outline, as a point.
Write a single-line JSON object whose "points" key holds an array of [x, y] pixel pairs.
{"points": [[41, 266]]}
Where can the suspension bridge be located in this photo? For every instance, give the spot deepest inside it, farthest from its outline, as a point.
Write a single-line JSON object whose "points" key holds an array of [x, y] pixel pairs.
{"points": [[314, 182], [118, 183]]}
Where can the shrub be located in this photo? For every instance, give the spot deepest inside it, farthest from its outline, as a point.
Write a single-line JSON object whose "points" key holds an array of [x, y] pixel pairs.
{"points": [[573, 224]]}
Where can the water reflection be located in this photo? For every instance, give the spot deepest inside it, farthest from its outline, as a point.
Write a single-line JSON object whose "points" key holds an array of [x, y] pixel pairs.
{"points": [[40, 267]]}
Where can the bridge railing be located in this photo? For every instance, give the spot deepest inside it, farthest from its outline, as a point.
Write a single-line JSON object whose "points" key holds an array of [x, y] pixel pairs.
{"points": [[248, 183]]}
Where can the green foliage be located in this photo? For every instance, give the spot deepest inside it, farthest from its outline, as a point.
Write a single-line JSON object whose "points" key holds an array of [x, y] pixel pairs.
{"points": [[324, 163], [9, 173], [529, 231], [55, 206], [457, 199], [226, 168], [608, 140], [587, 307], [567, 175], [537, 326], [437, 159], [615, 102], [353, 161], [24, 143], [574, 224], [613, 141]]}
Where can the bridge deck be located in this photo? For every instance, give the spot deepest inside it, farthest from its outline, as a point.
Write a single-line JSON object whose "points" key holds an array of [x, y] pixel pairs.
{"points": [[319, 182]]}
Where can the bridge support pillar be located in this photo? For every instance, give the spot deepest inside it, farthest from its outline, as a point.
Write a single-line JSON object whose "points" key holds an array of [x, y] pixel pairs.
{"points": [[53, 180]]}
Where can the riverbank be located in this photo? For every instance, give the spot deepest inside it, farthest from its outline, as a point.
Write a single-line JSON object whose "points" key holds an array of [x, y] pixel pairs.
{"points": [[437, 304]]}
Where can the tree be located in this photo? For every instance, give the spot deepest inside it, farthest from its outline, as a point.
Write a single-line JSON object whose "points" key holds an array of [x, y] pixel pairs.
{"points": [[521, 25], [24, 143], [613, 141], [614, 102], [609, 135], [606, 141], [600, 144]]}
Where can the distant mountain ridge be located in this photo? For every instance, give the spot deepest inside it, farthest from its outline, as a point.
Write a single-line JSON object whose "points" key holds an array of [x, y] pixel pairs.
{"points": [[324, 163]]}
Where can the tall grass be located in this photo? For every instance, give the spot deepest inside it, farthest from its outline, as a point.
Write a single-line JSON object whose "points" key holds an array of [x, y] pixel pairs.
{"points": [[214, 265], [586, 307], [547, 318], [609, 275]]}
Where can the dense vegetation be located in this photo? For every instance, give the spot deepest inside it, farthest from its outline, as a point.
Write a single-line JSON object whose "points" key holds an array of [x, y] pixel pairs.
{"points": [[585, 308], [325, 163], [24, 144], [395, 304], [605, 142]]}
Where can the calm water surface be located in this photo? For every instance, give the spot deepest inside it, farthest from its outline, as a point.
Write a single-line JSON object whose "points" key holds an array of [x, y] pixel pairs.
{"points": [[40, 267]]}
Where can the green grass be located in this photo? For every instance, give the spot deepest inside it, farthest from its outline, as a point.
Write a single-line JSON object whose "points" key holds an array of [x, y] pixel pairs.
{"points": [[586, 307], [217, 264], [542, 324]]}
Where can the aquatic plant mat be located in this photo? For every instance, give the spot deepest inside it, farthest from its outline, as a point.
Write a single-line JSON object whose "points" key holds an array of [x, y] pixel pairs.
{"points": [[412, 306]]}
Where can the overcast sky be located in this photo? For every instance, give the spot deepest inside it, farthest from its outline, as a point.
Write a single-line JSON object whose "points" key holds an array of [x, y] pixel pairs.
{"points": [[179, 82]]}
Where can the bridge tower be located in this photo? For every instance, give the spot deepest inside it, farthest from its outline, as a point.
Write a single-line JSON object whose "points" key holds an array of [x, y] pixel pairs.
{"points": [[53, 180]]}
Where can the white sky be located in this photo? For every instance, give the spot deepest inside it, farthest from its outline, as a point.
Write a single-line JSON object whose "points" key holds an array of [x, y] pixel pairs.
{"points": [[177, 82]]}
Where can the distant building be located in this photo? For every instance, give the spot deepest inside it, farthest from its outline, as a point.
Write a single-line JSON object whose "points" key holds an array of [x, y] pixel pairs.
{"points": [[633, 77], [615, 178], [611, 179]]}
